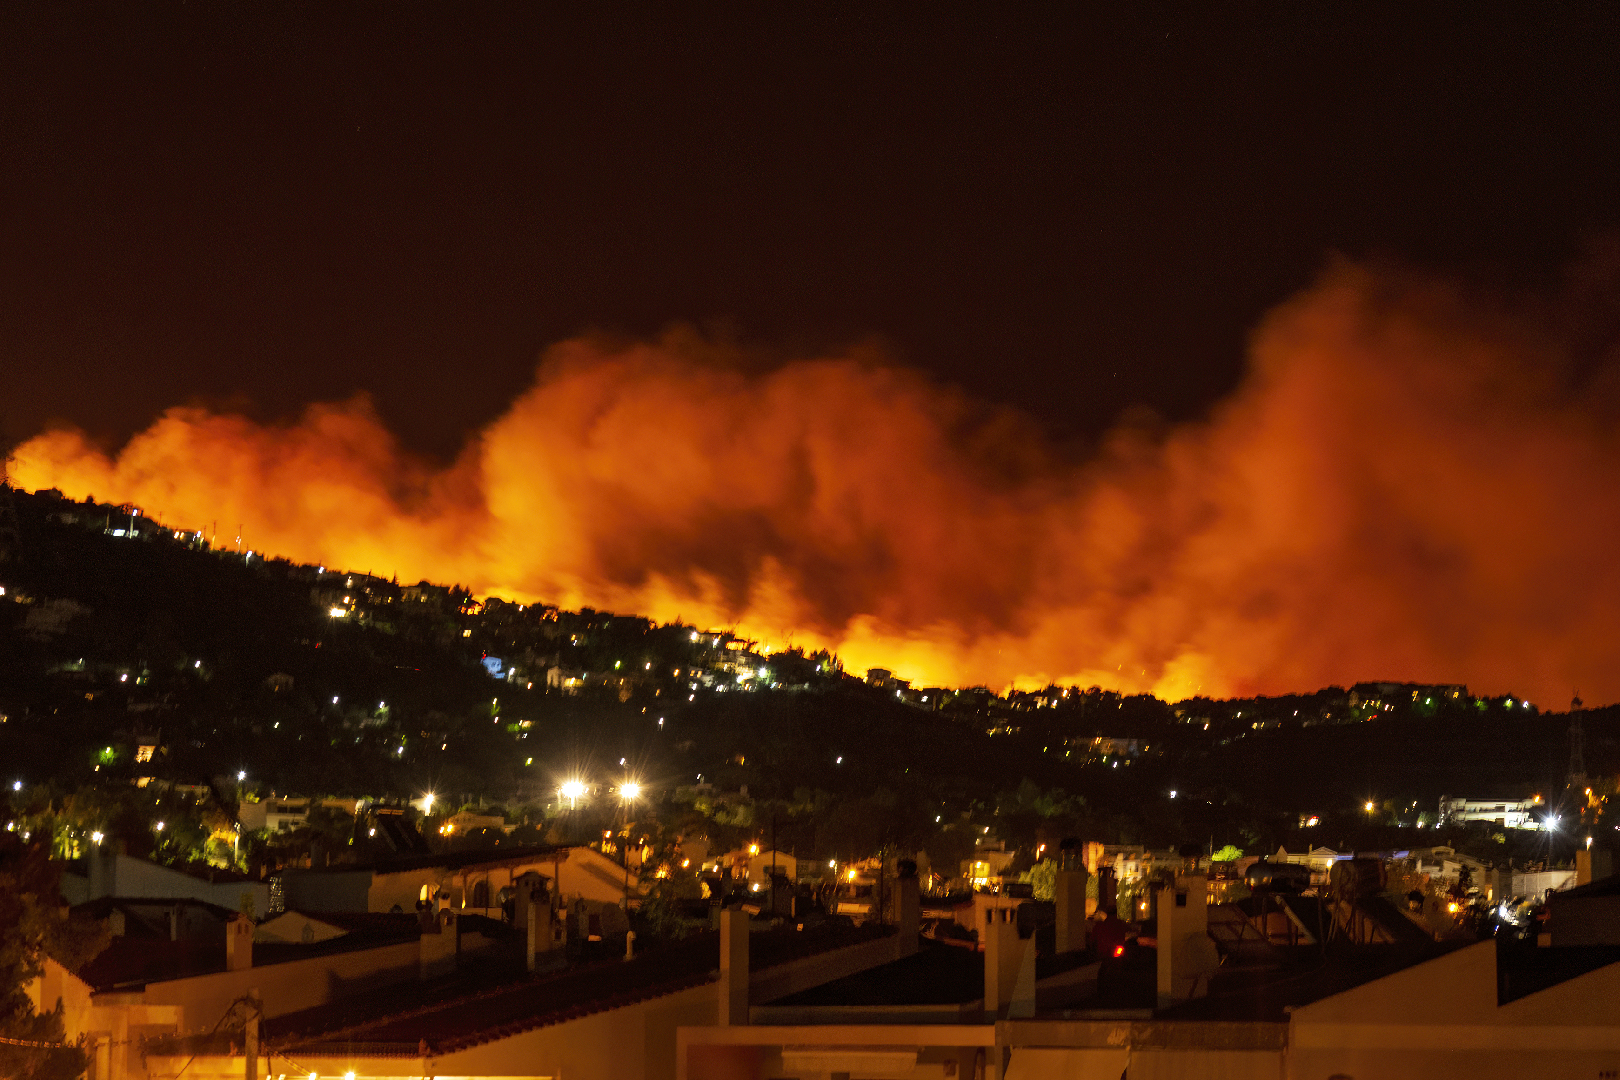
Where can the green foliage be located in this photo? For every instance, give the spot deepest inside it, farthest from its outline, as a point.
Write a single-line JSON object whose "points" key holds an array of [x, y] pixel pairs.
{"points": [[1043, 875], [1228, 853], [659, 918], [36, 925]]}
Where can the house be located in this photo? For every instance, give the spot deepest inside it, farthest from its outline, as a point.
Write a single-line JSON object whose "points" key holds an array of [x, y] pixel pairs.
{"points": [[613, 1019], [480, 882], [151, 981], [990, 858], [277, 814], [1445, 864], [755, 867], [1506, 813], [1319, 860], [1391, 1012]]}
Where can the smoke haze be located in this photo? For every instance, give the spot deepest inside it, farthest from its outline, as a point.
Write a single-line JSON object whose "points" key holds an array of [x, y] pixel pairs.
{"points": [[1405, 486]]}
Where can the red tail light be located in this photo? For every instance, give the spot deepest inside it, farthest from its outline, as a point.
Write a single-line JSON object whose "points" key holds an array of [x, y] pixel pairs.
{"points": [[1119, 950]]}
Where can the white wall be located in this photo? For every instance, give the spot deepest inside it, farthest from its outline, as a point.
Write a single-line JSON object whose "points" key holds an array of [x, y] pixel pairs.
{"points": [[127, 877]]}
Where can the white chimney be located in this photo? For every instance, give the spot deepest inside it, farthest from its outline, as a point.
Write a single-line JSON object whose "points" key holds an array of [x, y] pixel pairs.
{"points": [[1187, 955], [238, 943]]}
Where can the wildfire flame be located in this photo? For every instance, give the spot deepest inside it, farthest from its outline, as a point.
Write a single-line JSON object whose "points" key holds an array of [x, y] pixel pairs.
{"points": [[1396, 491]]}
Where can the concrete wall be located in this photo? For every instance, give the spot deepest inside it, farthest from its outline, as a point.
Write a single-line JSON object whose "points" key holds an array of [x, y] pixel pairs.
{"points": [[766, 1053], [633, 1043], [1539, 883], [328, 890], [402, 890], [1441, 1019]]}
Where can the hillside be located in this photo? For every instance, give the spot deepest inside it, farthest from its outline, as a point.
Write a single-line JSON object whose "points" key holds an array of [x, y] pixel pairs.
{"points": [[314, 681]]}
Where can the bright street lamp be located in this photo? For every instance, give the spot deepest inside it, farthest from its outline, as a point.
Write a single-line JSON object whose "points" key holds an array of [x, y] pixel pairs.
{"points": [[573, 791], [630, 790]]}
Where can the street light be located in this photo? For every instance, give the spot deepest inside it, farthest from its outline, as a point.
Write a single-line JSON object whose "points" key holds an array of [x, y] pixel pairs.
{"points": [[628, 791], [573, 791], [1370, 807]]}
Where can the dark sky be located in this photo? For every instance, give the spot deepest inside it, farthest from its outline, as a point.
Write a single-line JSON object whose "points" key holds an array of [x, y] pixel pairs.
{"points": [[267, 204]]}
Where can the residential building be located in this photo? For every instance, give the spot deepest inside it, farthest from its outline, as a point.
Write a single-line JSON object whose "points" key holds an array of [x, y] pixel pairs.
{"points": [[1505, 813], [480, 882]]}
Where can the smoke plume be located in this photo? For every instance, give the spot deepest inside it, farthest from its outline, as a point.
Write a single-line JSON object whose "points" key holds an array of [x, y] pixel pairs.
{"points": [[1405, 487]]}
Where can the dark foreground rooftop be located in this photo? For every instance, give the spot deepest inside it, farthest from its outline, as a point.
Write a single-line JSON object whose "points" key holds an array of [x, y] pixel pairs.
{"points": [[479, 1006]]}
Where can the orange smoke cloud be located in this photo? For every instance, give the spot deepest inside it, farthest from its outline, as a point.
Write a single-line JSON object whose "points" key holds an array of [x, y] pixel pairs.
{"points": [[1394, 492]]}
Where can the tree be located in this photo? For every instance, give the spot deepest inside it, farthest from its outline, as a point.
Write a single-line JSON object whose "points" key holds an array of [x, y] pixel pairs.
{"points": [[33, 924], [1043, 876]]}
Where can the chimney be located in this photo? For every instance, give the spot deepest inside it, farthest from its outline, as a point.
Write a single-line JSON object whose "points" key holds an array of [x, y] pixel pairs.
{"points": [[1009, 966], [1107, 890], [436, 948], [1187, 956], [733, 967], [238, 943], [1071, 898], [1592, 864], [907, 910]]}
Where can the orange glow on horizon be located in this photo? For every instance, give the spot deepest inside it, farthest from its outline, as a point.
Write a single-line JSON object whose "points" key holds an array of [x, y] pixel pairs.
{"points": [[1386, 496]]}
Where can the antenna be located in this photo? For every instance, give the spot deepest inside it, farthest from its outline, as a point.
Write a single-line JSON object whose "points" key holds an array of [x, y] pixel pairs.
{"points": [[10, 539], [1577, 746]]}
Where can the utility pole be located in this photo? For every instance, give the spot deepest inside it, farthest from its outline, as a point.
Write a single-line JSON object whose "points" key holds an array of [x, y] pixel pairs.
{"points": [[250, 1036]]}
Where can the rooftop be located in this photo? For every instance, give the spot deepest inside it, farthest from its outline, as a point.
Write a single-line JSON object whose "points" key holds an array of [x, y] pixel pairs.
{"points": [[131, 961], [473, 1007], [452, 860], [935, 975], [1606, 886]]}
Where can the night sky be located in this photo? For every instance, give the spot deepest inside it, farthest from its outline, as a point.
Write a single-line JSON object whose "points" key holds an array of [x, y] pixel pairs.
{"points": [[264, 205]]}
